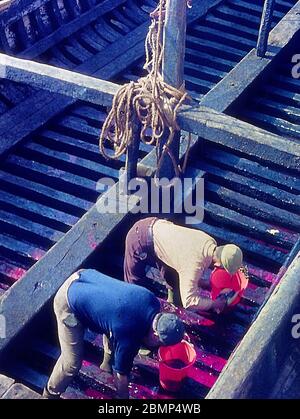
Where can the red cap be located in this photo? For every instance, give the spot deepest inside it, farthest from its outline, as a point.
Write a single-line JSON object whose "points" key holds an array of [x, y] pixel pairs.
{"points": [[221, 279]]}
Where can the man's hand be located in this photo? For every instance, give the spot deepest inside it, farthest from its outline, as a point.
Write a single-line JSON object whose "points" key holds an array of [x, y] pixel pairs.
{"points": [[121, 382]]}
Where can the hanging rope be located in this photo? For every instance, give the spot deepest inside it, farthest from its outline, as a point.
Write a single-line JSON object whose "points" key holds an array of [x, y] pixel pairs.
{"points": [[152, 101]]}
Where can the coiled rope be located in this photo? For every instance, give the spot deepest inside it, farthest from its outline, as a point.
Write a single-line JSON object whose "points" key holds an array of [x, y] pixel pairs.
{"points": [[153, 102]]}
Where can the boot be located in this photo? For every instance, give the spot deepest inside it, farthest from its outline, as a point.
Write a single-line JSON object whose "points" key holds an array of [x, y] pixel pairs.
{"points": [[50, 396], [106, 363]]}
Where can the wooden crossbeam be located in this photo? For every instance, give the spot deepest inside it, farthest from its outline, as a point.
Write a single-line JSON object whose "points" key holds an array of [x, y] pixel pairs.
{"points": [[240, 136], [201, 121], [56, 80]]}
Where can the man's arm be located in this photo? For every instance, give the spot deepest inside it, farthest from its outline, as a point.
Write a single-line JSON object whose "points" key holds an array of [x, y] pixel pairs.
{"points": [[121, 382], [190, 294], [125, 351], [200, 303]]}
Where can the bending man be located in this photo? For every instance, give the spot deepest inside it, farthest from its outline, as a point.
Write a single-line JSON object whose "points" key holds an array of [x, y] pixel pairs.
{"points": [[128, 315], [182, 254]]}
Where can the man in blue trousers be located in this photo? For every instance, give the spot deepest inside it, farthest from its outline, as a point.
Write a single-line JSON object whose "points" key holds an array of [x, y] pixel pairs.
{"points": [[127, 315]]}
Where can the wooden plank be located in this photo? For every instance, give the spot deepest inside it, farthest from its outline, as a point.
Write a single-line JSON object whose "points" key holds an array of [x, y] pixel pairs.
{"points": [[65, 30], [265, 27], [65, 82], [240, 136], [174, 33], [57, 177], [248, 167], [4, 4], [217, 127], [19, 391], [251, 206], [251, 187], [252, 227], [5, 384], [251, 67], [37, 208], [11, 222], [61, 200]]}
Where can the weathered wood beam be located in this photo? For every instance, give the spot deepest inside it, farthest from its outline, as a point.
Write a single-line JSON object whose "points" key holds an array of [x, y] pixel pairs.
{"points": [[240, 136], [65, 82], [202, 121], [19, 391], [5, 384], [4, 4], [265, 27], [42, 106], [248, 371], [251, 67], [174, 43], [174, 38]]}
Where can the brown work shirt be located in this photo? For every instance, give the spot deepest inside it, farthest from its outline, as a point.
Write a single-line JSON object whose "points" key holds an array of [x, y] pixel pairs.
{"points": [[189, 252]]}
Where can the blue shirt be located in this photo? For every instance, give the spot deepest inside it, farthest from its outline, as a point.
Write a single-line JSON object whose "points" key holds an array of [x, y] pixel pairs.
{"points": [[118, 309]]}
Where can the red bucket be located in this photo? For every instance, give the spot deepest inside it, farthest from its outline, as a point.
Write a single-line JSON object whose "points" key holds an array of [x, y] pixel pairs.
{"points": [[222, 281], [175, 363]]}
